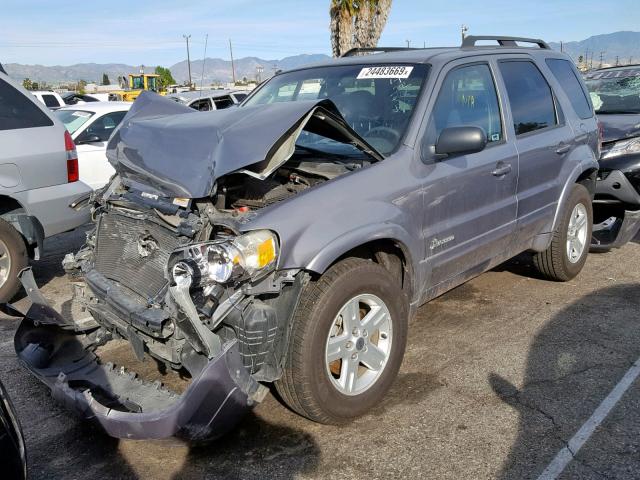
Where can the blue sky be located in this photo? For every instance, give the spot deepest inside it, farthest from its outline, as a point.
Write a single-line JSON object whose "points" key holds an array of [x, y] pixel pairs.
{"points": [[150, 32]]}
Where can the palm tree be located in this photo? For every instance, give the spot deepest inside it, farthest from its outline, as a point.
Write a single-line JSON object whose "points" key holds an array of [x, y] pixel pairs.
{"points": [[357, 23]]}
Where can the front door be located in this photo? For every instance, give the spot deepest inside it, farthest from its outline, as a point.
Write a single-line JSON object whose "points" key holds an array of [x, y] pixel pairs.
{"points": [[470, 199]]}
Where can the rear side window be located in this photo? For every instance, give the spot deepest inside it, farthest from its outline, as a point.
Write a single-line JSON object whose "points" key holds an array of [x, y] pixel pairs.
{"points": [[203, 105], [568, 79], [223, 102], [50, 100], [17, 111], [530, 96]]}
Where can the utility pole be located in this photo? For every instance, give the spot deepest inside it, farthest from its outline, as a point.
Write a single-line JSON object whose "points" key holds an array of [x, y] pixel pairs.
{"points": [[187, 37], [601, 58], [617, 60], [408, 43], [233, 69], [561, 47], [630, 60], [259, 70], [463, 31]]}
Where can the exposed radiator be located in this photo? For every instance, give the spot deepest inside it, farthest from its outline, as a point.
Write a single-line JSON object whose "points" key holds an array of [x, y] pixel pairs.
{"points": [[134, 252]]}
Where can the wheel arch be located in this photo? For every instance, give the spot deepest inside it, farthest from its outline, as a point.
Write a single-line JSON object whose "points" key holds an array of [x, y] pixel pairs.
{"points": [[28, 226], [392, 251]]}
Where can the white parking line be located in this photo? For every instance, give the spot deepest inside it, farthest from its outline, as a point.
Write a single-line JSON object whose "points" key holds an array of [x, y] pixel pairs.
{"points": [[564, 456]]}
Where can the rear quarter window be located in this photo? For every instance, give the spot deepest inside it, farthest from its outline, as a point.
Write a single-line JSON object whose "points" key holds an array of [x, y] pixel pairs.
{"points": [[17, 111], [568, 79]]}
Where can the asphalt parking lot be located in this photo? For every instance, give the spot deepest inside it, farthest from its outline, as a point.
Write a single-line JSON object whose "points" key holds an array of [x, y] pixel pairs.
{"points": [[499, 374]]}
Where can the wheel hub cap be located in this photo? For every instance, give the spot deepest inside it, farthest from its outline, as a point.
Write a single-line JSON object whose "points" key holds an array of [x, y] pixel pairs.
{"points": [[359, 344], [577, 233], [5, 263]]}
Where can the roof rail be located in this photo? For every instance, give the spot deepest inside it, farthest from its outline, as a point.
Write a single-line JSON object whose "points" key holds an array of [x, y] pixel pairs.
{"points": [[361, 50], [470, 41]]}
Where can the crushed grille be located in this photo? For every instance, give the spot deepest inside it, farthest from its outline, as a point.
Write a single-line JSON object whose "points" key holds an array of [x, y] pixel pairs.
{"points": [[134, 252]]}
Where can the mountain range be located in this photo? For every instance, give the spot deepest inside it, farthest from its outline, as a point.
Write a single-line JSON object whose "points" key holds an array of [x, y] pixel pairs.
{"points": [[624, 46], [215, 70]]}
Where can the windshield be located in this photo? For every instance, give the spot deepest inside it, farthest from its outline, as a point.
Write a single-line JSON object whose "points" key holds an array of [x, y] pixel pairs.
{"points": [[376, 100], [616, 91], [73, 119]]}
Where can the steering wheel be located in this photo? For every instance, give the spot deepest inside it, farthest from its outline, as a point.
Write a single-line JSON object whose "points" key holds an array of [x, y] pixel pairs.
{"points": [[387, 135]]}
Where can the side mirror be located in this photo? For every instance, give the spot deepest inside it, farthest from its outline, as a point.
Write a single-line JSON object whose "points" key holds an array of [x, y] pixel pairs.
{"points": [[460, 140], [89, 138]]}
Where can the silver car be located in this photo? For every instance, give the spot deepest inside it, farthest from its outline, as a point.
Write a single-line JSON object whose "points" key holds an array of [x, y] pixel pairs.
{"points": [[40, 191]]}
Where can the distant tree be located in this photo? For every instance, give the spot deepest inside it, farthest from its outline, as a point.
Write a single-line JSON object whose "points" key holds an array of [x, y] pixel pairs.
{"points": [[81, 86], [27, 83], [356, 23], [166, 78], [35, 86], [105, 79]]}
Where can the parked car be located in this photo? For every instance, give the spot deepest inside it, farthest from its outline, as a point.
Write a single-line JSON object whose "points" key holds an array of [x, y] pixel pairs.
{"points": [[13, 456], [90, 126], [50, 98], [615, 93], [40, 191], [73, 98], [206, 100], [289, 240]]}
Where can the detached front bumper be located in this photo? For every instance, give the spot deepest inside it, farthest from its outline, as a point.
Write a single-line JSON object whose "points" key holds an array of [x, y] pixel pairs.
{"points": [[615, 232], [59, 353]]}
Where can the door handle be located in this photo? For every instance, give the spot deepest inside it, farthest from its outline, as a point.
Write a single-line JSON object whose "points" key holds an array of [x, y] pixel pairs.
{"points": [[501, 169], [563, 148]]}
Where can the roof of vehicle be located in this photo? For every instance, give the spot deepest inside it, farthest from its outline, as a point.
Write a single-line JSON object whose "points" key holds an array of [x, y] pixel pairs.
{"points": [[194, 95], [430, 55], [99, 107], [49, 92], [631, 66]]}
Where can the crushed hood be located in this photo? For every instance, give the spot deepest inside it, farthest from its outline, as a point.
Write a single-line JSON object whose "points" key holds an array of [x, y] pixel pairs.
{"points": [[618, 127], [180, 152]]}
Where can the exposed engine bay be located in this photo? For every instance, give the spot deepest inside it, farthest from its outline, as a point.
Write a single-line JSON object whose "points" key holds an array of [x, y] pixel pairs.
{"points": [[298, 174]]}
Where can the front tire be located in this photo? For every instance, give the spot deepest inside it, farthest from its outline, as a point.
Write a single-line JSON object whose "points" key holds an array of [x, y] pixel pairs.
{"points": [[567, 254], [13, 258], [347, 342]]}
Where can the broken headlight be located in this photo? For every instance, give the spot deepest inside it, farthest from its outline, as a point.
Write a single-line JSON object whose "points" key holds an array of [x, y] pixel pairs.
{"points": [[251, 255], [622, 147]]}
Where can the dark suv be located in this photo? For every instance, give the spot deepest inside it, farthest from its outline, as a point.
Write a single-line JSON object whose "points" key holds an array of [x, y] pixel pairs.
{"points": [[291, 239], [615, 93]]}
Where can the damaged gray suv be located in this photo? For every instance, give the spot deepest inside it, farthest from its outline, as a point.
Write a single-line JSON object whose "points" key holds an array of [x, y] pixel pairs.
{"points": [[290, 240]]}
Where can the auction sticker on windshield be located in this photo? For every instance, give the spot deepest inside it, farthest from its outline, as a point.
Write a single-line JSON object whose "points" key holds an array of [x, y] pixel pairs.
{"points": [[385, 71]]}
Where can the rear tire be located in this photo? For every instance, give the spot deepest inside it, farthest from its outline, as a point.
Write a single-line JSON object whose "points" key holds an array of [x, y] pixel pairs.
{"points": [[13, 258], [368, 348], [567, 254]]}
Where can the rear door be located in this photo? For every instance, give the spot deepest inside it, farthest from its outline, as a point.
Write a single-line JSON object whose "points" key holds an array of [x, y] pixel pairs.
{"points": [[470, 202], [542, 137]]}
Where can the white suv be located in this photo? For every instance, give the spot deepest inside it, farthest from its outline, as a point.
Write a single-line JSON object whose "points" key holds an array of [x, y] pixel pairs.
{"points": [[40, 191]]}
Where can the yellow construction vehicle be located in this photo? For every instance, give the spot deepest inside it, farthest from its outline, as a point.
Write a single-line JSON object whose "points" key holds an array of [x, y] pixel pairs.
{"points": [[137, 83]]}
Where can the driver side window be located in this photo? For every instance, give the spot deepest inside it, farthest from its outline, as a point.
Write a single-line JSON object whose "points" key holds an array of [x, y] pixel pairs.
{"points": [[467, 98]]}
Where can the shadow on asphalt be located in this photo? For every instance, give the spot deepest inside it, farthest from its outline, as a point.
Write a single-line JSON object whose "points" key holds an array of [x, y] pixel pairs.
{"points": [[573, 364]]}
